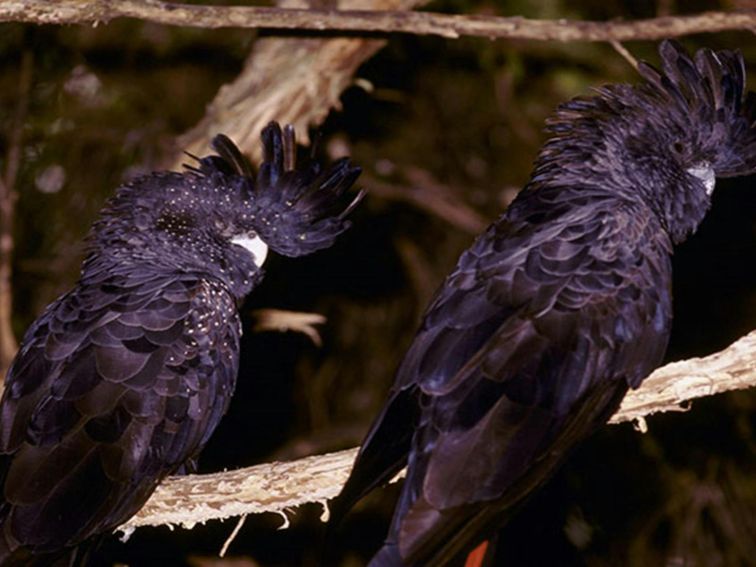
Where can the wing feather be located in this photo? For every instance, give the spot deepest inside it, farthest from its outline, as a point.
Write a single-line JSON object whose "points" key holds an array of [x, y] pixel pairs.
{"points": [[112, 393], [538, 322], [508, 415]]}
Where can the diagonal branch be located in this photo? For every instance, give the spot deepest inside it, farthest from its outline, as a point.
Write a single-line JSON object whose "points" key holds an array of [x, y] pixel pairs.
{"points": [[276, 487], [428, 194], [294, 80], [363, 21]]}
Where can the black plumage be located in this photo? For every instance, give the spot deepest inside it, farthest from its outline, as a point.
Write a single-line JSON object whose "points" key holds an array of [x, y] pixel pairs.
{"points": [[558, 308], [122, 380]]}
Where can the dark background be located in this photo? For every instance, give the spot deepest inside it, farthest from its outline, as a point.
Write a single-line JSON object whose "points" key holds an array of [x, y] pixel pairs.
{"points": [[106, 105]]}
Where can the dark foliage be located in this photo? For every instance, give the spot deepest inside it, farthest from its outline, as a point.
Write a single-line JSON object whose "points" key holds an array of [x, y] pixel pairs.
{"points": [[107, 105]]}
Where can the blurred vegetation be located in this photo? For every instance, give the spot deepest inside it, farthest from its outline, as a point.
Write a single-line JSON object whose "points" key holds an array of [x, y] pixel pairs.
{"points": [[107, 104]]}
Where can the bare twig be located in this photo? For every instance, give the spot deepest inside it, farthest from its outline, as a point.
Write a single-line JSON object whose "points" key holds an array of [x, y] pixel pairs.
{"points": [[276, 487], [427, 194], [626, 55], [8, 345], [232, 537], [452, 26]]}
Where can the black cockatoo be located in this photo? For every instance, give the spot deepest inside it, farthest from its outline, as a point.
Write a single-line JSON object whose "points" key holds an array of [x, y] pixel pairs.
{"points": [[558, 308], [122, 380]]}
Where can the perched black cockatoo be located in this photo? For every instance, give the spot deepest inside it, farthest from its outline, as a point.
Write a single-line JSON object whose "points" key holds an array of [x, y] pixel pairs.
{"points": [[558, 308], [123, 379]]}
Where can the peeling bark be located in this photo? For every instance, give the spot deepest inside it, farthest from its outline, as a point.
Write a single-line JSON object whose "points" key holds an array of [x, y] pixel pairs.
{"points": [[276, 487], [293, 80]]}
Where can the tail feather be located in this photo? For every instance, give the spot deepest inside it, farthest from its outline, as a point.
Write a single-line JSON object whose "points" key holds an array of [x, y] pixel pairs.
{"points": [[477, 557], [382, 455], [387, 556], [21, 557]]}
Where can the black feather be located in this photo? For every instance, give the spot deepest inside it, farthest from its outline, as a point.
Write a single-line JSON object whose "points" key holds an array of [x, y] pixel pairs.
{"points": [[298, 205], [232, 156], [557, 309], [122, 380]]}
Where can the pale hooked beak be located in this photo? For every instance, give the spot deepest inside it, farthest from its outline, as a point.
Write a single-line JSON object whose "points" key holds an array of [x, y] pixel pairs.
{"points": [[254, 245], [705, 173]]}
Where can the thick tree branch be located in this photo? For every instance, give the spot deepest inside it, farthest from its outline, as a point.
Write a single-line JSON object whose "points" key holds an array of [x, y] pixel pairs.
{"points": [[294, 80], [276, 487], [362, 21], [672, 387]]}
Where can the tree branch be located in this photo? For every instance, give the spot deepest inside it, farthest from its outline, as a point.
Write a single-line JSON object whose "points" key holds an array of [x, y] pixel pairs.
{"points": [[672, 387], [294, 80], [276, 487], [427, 194], [362, 21]]}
